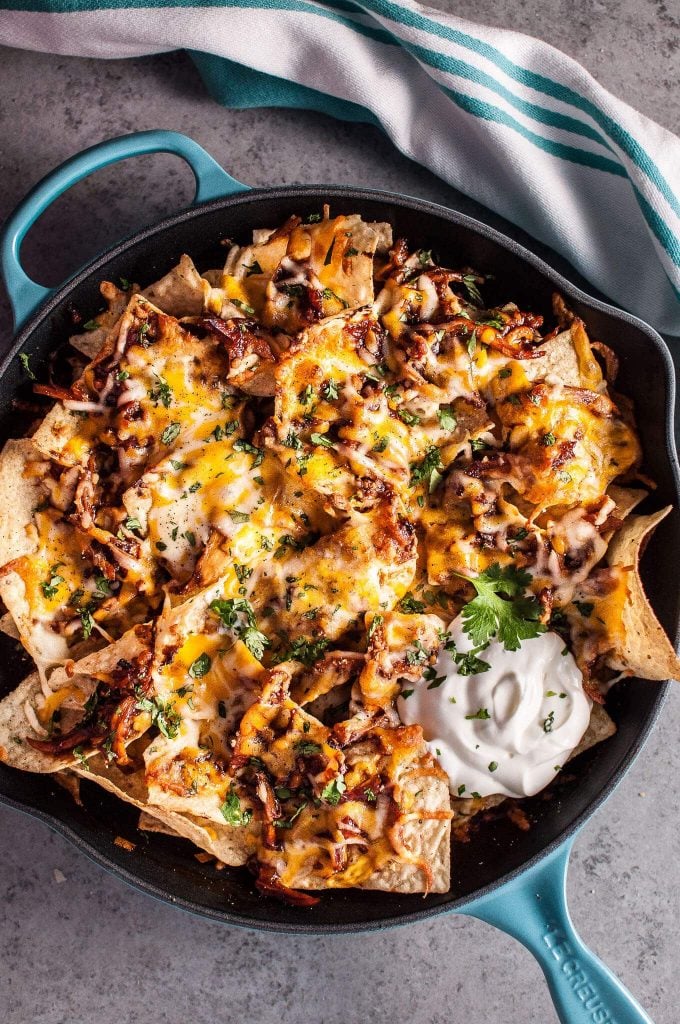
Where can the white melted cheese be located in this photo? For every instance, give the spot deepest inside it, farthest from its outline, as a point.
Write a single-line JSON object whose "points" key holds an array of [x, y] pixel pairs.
{"points": [[537, 713]]}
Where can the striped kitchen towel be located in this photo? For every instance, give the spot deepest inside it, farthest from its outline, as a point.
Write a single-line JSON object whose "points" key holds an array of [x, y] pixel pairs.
{"points": [[505, 118]]}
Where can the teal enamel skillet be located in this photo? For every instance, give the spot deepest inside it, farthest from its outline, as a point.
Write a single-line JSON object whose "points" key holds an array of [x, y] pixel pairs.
{"points": [[512, 879]]}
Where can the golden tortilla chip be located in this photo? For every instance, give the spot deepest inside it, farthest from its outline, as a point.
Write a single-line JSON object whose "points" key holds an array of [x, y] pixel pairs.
{"points": [[28, 710], [90, 342], [232, 845], [16, 710], [182, 292], [641, 645], [600, 728]]}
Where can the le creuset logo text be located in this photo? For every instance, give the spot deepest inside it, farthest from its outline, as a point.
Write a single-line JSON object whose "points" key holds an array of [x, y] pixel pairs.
{"points": [[557, 943]]}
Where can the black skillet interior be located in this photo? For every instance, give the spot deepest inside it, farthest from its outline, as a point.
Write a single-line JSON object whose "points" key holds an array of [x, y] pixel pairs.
{"points": [[166, 867]]}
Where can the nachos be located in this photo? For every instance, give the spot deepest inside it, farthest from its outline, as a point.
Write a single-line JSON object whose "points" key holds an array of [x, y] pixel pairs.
{"points": [[239, 536]]}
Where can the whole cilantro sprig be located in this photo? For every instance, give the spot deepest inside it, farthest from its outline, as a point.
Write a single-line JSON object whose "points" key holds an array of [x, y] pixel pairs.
{"points": [[501, 609]]}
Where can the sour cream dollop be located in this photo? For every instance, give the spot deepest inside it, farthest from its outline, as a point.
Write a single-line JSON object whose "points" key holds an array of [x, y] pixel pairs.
{"points": [[506, 730]]}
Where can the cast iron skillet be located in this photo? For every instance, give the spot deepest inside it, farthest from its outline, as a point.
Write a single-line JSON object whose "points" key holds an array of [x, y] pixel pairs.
{"points": [[511, 878]]}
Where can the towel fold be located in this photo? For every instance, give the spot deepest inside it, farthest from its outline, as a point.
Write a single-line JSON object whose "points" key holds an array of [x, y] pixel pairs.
{"points": [[504, 118]]}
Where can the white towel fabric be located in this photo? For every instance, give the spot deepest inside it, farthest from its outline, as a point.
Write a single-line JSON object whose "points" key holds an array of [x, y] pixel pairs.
{"points": [[505, 118]]}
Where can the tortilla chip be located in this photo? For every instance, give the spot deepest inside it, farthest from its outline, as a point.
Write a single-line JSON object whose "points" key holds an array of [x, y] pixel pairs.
{"points": [[600, 728], [19, 496], [148, 823], [182, 292], [232, 845], [626, 499], [54, 433], [69, 692], [560, 361], [568, 358], [641, 647], [427, 839], [69, 781], [90, 343], [15, 727]]}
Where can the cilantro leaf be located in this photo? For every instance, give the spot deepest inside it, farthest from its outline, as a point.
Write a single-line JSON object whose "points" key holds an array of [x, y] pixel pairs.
{"points": [[24, 360], [428, 470], [230, 611], [171, 433], [254, 640], [500, 608], [162, 715], [233, 813], [447, 420], [333, 791], [200, 666]]}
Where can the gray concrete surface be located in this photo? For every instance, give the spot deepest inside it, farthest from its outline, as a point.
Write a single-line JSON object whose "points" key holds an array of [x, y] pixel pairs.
{"points": [[79, 946]]}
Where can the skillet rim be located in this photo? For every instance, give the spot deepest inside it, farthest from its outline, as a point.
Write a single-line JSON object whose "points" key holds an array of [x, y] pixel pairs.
{"points": [[325, 193]]}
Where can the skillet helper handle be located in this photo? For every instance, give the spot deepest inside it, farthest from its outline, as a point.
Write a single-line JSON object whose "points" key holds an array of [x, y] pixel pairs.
{"points": [[533, 909], [212, 182]]}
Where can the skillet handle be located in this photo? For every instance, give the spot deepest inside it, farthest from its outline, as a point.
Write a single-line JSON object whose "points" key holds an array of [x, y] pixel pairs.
{"points": [[533, 909], [212, 182]]}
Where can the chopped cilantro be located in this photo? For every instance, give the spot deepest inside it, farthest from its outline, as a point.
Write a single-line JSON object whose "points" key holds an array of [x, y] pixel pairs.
{"points": [[243, 572], [24, 360], [585, 608], [171, 433], [246, 446], [482, 715], [428, 470], [330, 390], [238, 614], [233, 813], [200, 666], [333, 791], [377, 621], [548, 440], [51, 585], [308, 747], [409, 418], [418, 654], [470, 282], [103, 587], [86, 621], [447, 420], [161, 392], [162, 715], [132, 524], [305, 650], [292, 441], [468, 664], [410, 606], [322, 440]]}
